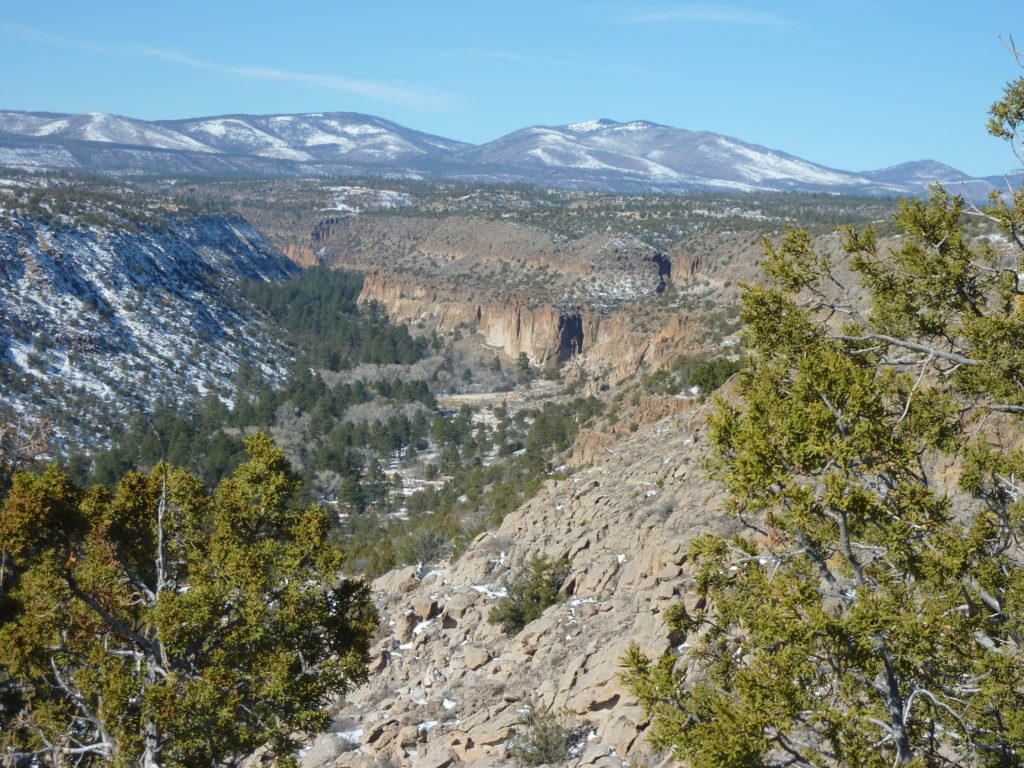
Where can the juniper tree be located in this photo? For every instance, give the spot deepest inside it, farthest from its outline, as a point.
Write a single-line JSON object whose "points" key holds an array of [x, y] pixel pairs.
{"points": [[162, 625], [871, 615]]}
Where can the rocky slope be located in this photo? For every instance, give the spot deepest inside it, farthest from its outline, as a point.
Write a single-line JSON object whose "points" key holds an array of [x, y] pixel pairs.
{"points": [[100, 310], [449, 689]]}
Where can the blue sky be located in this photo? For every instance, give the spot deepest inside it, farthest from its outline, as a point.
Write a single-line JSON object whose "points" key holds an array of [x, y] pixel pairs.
{"points": [[852, 84]]}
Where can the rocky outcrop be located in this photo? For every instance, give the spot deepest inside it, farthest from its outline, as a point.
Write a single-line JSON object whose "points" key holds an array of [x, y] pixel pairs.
{"points": [[622, 350], [325, 228], [616, 346], [541, 334], [448, 688], [408, 299], [302, 255], [595, 446], [526, 290], [512, 325]]}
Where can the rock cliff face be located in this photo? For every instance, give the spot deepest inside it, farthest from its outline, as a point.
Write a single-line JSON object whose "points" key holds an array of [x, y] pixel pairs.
{"points": [[448, 688], [511, 325], [411, 299], [621, 349], [302, 255], [526, 292]]}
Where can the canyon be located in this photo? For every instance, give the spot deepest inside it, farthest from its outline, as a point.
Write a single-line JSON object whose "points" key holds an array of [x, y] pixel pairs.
{"points": [[525, 290], [603, 293]]}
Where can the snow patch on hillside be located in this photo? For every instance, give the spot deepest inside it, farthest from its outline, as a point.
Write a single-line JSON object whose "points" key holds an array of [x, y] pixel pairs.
{"points": [[359, 199], [766, 165], [109, 319], [587, 125]]}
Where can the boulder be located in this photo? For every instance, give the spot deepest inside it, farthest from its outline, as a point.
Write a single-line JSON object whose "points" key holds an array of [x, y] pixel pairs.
{"points": [[475, 657]]}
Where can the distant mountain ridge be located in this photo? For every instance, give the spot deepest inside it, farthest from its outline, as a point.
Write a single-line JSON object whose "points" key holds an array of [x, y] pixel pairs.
{"points": [[607, 155]]}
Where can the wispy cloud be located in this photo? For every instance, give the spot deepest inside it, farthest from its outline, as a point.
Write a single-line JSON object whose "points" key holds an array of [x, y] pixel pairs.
{"points": [[368, 88], [728, 14]]}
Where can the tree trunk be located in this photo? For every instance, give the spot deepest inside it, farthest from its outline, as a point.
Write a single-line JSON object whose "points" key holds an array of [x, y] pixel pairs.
{"points": [[894, 706], [151, 731]]}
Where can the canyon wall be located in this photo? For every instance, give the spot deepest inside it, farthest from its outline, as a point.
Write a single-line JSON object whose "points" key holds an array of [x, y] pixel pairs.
{"points": [[614, 345], [526, 290], [513, 325], [127, 317]]}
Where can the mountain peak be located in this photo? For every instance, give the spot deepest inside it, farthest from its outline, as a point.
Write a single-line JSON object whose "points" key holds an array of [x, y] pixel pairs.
{"points": [[603, 154], [918, 171], [590, 126]]}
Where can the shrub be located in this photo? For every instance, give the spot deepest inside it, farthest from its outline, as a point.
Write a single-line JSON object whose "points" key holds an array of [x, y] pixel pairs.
{"points": [[546, 737], [425, 544], [530, 594]]}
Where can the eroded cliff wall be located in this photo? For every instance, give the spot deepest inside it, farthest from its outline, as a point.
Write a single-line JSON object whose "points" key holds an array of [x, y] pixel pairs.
{"points": [[512, 324], [525, 290]]}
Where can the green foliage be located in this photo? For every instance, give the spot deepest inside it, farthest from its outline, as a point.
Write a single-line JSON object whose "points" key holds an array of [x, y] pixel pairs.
{"points": [[160, 624], [707, 373], [530, 594], [862, 621], [551, 371], [546, 737], [426, 543], [1008, 113], [82, 202], [474, 496], [523, 367], [319, 311]]}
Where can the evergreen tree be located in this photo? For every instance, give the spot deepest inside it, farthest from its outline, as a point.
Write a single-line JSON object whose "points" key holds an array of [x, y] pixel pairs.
{"points": [[864, 620], [352, 495], [162, 625]]}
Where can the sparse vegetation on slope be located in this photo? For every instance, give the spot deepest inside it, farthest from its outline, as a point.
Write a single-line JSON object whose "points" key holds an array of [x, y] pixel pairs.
{"points": [[529, 594]]}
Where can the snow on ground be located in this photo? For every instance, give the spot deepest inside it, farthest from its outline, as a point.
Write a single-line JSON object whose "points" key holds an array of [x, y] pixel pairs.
{"points": [[283, 153], [587, 126], [767, 165], [358, 129], [94, 309], [37, 157], [490, 591], [733, 211], [358, 199]]}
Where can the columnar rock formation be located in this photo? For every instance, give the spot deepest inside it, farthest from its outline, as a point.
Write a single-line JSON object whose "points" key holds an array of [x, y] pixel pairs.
{"points": [[512, 325]]}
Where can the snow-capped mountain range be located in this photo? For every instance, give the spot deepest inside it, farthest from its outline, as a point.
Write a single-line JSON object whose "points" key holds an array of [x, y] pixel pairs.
{"points": [[598, 154]]}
